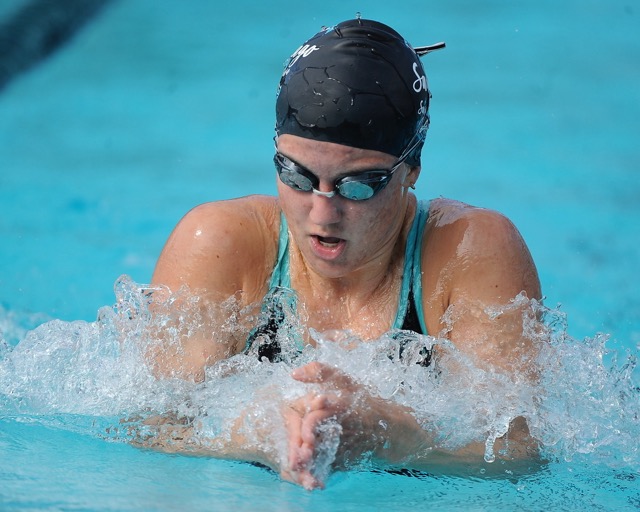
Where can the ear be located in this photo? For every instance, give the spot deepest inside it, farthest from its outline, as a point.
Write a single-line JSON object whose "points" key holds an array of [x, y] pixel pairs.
{"points": [[412, 176]]}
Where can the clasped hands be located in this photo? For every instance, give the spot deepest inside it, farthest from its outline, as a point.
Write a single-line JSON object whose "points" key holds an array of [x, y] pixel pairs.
{"points": [[331, 426]]}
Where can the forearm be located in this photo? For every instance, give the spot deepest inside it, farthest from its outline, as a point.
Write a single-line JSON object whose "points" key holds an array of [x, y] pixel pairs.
{"points": [[185, 357], [514, 451], [242, 439], [189, 330], [398, 437]]}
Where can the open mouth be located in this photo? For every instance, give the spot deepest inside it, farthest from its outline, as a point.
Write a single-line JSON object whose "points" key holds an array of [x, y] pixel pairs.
{"points": [[328, 247], [328, 241]]}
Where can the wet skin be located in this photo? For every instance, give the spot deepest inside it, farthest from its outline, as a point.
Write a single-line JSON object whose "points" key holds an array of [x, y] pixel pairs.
{"points": [[346, 260]]}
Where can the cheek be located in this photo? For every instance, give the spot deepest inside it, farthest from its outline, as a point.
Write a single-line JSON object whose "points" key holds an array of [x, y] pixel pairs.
{"points": [[286, 196], [292, 203], [384, 217], [367, 222]]}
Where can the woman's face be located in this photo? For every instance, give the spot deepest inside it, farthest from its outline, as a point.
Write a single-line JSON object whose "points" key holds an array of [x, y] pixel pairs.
{"points": [[339, 236]]}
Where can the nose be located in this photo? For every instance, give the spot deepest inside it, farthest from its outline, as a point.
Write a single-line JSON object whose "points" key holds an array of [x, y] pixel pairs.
{"points": [[325, 209]]}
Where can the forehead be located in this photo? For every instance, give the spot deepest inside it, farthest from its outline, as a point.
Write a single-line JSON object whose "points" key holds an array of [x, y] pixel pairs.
{"points": [[326, 156]]}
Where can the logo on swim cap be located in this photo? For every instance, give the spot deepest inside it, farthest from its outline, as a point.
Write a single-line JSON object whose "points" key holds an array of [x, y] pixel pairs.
{"points": [[366, 89], [420, 84], [304, 51]]}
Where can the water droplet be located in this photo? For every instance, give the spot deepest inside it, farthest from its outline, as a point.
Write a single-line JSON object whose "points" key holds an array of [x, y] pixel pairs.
{"points": [[358, 15]]}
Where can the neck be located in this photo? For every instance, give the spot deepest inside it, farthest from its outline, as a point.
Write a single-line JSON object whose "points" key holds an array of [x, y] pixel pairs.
{"points": [[365, 292]]}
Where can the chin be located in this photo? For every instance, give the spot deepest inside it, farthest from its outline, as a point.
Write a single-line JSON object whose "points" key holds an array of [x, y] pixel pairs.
{"points": [[330, 270]]}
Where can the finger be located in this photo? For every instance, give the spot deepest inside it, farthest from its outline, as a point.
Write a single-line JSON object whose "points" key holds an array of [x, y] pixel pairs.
{"points": [[301, 432], [310, 424], [305, 456], [293, 425], [309, 402], [318, 373], [310, 482], [302, 478], [317, 402], [312, 372]]}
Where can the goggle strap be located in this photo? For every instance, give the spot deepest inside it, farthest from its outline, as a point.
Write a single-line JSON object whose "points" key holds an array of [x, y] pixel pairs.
{"points": [[423, 50]]}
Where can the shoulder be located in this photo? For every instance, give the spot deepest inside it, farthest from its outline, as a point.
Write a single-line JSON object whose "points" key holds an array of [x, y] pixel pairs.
{"points": [[454, 222], [477, 253], [221, 246], [226, 223]]}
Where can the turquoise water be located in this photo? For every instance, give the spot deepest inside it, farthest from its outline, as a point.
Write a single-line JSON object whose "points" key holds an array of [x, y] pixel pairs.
{"points": [[157, 106]]}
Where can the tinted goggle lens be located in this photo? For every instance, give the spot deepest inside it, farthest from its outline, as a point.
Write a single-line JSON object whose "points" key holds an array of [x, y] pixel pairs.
{"points": [[294, 178], [357, 188]]}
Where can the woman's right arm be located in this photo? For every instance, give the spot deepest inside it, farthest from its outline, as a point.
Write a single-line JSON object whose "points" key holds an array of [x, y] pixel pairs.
{"points": [[219, 250]]}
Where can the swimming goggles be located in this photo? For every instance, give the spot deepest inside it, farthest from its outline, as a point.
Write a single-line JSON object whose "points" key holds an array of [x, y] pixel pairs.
{"points": [[357, 187]]}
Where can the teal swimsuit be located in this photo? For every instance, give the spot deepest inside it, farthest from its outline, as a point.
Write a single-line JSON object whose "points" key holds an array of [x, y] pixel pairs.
{"points": [[409, 316]]}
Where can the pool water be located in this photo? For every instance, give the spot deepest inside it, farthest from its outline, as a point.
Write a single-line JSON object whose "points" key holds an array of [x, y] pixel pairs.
{"points": [[154, 107], [76, 472]]}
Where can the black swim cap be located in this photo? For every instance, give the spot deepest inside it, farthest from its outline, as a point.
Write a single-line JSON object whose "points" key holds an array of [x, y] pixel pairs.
{"points": [[359, 84]]}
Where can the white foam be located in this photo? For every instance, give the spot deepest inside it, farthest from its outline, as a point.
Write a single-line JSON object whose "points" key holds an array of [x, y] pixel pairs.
{"points": [[65, 373]]}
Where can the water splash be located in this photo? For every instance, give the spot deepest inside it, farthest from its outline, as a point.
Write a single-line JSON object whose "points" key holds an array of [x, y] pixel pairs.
{"points": [[94, 377]]}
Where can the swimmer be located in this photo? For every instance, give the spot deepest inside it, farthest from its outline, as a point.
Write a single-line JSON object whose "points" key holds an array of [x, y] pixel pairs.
{"points": [[361, 252]]}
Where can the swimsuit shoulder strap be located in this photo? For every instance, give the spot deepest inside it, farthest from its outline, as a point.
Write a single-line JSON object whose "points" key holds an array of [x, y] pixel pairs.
{"points": [[280, 276], [278, 301], [411, 288]]}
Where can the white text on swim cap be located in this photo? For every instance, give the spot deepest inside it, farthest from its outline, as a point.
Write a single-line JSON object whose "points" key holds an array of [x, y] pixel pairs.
{"points": [[420, 83], [304, 51]]}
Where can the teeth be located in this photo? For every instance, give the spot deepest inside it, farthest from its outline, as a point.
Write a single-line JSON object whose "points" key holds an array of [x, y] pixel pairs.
{"points": [[328, 242]]}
